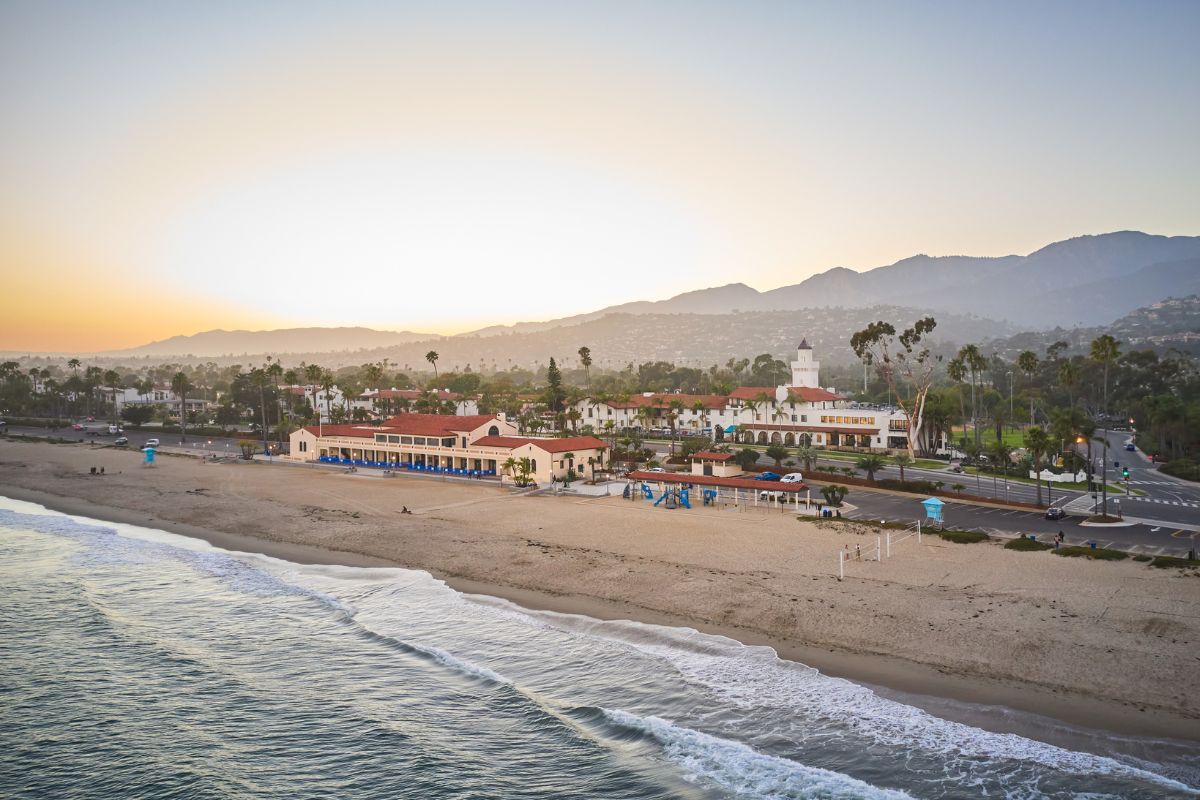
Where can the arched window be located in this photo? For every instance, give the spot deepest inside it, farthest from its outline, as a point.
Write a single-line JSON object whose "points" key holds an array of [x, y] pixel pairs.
{"points": [[762, 437], [789, 439], [493, 431]]}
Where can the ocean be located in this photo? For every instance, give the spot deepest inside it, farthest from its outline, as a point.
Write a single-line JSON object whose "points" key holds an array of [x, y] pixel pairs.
{"points": [[135, 663]]}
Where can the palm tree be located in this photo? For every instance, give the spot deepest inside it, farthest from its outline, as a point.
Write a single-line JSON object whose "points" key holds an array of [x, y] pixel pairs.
{"points": [[870, 464], [585, 359], [834, 494], [902, 460], [974, 361], [1001, 454], [807, 455], [1037, 442], [326, 387], [112, 378], [1105, 350], [1028, 362], [956, 371], [180, 385], [1068, 376], [312, 374], [432, 358], [957, 487], [509, 466]]}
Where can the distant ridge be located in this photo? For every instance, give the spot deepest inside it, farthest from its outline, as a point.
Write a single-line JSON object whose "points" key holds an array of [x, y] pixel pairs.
{"points": [[284, 340], [1035, 290]]}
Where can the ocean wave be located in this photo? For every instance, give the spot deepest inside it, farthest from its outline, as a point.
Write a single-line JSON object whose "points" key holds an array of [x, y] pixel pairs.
{"points": [[738, 768], [754, 677]]}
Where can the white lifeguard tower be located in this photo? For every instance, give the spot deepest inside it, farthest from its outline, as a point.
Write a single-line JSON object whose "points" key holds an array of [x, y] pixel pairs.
{"points": [[805, 368]]}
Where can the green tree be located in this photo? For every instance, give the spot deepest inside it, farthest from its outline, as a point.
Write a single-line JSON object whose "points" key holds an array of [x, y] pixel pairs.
{"points": [[957, 487], [1105, 350], [554, 396], [902, 460], [834, 494], [432, 358], [585, 360], [746, 458], [1037, 442], [137, 414], [1068, 376], [777, 452], [180, 385], [910, 361], [870, 464], [807, 455]]}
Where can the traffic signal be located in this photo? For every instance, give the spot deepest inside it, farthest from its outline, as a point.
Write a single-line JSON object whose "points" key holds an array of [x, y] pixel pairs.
{"points": [[1125, 473]]}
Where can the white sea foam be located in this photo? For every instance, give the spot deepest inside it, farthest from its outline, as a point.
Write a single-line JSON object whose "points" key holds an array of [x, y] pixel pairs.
{"points": [[739, 768], [754, 677]]}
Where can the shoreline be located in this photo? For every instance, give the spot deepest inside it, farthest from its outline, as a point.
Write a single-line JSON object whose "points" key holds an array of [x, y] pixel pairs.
{"points": [[975, 700]]}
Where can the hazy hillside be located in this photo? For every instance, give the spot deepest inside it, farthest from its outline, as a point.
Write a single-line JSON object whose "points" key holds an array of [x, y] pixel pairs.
{"points": [[285, 340], [695, 339], [1089, 280], [1171, 324]]}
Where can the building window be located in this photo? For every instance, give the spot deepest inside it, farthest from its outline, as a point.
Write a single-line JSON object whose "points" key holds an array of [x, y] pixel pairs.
{"points": [[493, 431], [303, 447], [394, 439]]}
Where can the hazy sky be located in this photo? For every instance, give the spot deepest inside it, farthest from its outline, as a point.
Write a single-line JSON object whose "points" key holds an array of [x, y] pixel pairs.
{"points": [[173, 167]]}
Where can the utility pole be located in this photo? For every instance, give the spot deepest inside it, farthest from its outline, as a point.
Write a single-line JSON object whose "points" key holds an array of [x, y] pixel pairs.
{"points": [[1104, 475]]}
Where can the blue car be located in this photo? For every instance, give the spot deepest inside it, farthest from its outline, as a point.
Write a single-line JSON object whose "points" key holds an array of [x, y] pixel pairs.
{"points": [[1130, 447], [766, 476]]}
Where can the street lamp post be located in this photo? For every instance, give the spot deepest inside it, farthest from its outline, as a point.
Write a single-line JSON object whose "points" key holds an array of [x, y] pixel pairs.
{"points": [[1010, 397], [1104, 476]]}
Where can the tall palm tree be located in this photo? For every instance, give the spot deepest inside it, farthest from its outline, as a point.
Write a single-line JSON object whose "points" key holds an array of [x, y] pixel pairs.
{"points": [[312, 374], [1105, 350], [956, 371], [1037, 442], [1001, 455], [432, 358], [1028, 362], [1068, 376], [585, 359], [327, 388], [180, 385], [902, 460], [111, 379]]}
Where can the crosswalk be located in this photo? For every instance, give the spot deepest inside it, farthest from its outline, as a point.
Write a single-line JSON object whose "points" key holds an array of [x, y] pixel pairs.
{"points": [[1183, 503]]}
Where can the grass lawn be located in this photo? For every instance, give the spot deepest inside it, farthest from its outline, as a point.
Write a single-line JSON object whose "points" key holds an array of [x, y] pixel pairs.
{"points": [[987, 436], [1113, 488]]}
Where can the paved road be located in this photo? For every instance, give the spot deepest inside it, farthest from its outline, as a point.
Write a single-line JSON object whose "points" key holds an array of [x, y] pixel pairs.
{"points": [[1006, 523], [1167, 503], [137, 439]]}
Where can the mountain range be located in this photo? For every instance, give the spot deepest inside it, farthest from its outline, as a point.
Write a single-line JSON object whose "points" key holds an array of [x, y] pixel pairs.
{"points": [[1089, 280], [1086, 281]]}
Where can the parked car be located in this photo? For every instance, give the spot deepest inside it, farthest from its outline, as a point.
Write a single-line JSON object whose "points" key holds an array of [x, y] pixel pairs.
{"points": [[76, 426], [152, 443], [1055, 512], [792, 477], [120, 441], [766, 476], [656, 469], [1131, 447]]}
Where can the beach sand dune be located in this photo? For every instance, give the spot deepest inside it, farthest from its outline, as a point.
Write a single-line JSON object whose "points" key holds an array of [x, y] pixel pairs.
{"points": [[1115, 645]]}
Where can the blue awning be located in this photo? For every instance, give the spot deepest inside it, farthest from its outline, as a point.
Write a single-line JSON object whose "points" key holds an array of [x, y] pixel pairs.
{"points": [[731, 429]]}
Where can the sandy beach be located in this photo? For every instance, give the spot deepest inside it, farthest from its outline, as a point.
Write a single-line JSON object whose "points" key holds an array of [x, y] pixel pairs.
{"points": [[1108, 645]]}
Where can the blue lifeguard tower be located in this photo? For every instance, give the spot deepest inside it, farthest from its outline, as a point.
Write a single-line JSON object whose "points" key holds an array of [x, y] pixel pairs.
{"points": [[933, 509], [149, 452]]}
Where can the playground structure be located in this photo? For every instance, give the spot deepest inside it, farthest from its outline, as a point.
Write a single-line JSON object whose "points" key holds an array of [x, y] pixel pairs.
{"points": [[675, 491]]}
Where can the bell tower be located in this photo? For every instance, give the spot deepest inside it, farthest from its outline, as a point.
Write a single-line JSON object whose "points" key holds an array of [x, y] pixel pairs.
{"points": [[805, 368]]}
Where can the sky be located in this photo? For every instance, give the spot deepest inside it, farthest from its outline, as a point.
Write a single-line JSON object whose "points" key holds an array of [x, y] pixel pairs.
{"points": [[168, 168]]}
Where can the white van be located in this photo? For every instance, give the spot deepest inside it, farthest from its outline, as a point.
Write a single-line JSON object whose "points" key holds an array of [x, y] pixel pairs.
{"points": [[792, 477]]}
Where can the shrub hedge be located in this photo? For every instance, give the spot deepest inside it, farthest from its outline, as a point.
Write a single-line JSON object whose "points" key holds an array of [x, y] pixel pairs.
{"points": [[1100, 553], [1027, 545]]}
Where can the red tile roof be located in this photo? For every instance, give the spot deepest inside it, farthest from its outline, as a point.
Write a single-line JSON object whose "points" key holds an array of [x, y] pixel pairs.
{"points": [[712, 480], [713, 456], [410, 425], [548, 445]]}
